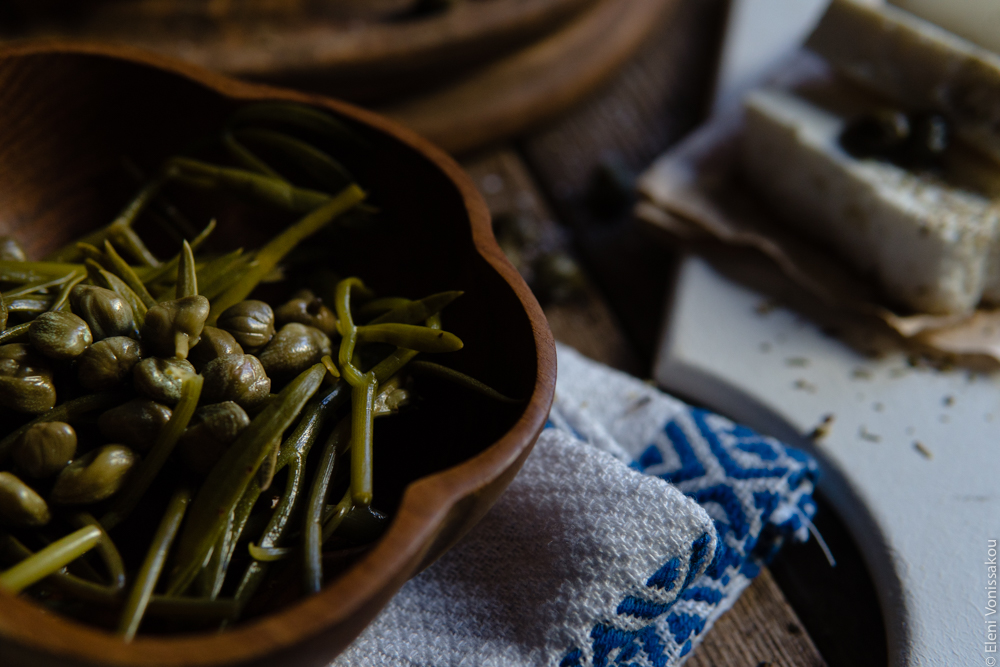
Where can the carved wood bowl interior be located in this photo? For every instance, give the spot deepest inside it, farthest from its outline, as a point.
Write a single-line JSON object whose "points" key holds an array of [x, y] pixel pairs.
{"points": [[69, 114]]}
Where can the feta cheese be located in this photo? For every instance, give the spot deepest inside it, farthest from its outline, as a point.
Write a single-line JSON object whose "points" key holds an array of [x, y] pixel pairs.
{"points": [[916, 64], [928, 244]]}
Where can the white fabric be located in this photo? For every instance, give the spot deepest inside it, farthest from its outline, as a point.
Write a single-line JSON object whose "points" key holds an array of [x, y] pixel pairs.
{"points": [[584, 560]]}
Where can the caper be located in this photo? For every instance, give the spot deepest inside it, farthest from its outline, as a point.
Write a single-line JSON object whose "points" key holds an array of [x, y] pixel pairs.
{"points": [[106, 313], [305, 308], [136, 423], [213, 428], [11, 250], [877, 134], [106, 363], [250, 322], [45, 449], [293, 349], [214, 343], [174, 327], [25, 380], [161, 379], [20, 505], [930, 135], [59, 335], [93, 477], [236, 377]]}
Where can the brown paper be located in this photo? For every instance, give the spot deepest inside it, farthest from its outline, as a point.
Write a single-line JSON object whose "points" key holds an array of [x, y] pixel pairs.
{"points": [[695, 191]]}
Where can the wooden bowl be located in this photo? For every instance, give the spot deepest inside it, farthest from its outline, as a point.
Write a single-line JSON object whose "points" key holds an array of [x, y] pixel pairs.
{"points": [[67, 116]]}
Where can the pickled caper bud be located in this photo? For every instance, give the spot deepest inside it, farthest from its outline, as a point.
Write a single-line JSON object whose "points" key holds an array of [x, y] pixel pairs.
{"points": [[106, 363], [11, 250], [59, 335], [214, 343], [236, 377], [45, 449], [293, 349], [161, 379], [305, 308], [250, 322], [136, 423], [174, 327], [213, 428], [25, 380], [93, 477], [106, 313], [19, 504]]}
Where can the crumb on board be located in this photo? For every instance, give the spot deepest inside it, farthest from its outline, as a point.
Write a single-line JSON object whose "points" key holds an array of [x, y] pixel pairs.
{"points": [[823, 428], [805, 385], [865, 434], [948, 401], [274, 501], [861, 374], [878, 407], [797, 362], [922, 448]]}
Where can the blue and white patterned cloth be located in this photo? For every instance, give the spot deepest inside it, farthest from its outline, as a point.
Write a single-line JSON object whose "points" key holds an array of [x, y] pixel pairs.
{"points": [[634, 524]]}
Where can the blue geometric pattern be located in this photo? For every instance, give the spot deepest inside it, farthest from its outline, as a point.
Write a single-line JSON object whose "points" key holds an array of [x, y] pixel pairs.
{"points": [[757, 491]]}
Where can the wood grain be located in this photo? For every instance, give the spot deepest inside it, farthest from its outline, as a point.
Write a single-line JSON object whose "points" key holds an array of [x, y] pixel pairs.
{"points": [[67, 114], [761, 630]]}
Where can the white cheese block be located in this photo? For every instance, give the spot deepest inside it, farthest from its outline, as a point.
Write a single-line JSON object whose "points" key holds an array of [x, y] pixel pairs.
{"points": [[917, 64], [928, 244], [976, 20]]}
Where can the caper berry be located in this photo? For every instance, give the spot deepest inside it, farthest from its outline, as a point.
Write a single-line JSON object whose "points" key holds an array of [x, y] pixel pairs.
{"points": [[25, 380], [45, 449], [106, 313], [250, 322], [214, 343], [293, 349], [59, 335], [174, 327], [93, 477], [213, 428], [161, 379], [20, 505], [106, 363], [136, 423], [236, 377], [306, 309]]}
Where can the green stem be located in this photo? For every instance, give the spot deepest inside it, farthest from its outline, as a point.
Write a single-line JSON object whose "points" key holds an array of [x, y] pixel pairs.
{"points": [[50, 559], [276, 249], [149, 573], [149, 467]]}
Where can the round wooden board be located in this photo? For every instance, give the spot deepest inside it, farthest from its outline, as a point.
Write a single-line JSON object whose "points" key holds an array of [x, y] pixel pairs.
{"points": [[362, 49], [537, 83]]}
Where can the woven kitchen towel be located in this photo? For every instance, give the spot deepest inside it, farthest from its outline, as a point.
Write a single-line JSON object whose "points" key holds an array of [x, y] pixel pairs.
{"points": [[636, 521]]}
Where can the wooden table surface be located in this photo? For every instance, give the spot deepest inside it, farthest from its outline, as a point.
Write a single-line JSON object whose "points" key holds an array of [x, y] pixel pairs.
{"points": [[547, 177]]}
